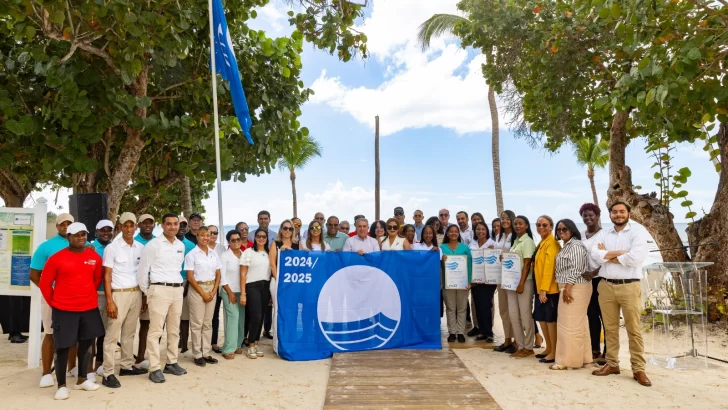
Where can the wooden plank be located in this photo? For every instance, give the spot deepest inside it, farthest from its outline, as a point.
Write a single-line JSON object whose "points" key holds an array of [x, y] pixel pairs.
{"points": [[404, 379]]}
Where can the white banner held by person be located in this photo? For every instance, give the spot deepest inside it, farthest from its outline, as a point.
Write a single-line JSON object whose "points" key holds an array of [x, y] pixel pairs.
{"points": [[478, 275], [511, 271], [493, 269], [456, 272]]}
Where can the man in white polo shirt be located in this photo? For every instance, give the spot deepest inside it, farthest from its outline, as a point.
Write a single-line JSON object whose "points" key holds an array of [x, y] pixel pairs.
{"points": [[160, 279], [361, 243], [123, 300]]}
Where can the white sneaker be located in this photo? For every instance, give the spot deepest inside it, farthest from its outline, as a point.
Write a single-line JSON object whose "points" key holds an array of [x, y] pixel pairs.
{"points": [[73, 372], [88, 385], [62, 393], [100, 370], [258, 352], [143, 365], [91, 377], [47, 381]]}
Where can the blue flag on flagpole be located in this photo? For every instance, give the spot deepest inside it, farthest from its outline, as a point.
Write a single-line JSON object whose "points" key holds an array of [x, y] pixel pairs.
{"points": [[227, 67]]}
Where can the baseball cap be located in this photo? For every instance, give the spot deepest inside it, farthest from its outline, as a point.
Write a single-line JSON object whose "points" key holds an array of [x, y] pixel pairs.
{"points": [[126, 217], [104, 223], [75, 228], [63, 218], [144, 218], [399, 210], [182, 219], [195, 215]]}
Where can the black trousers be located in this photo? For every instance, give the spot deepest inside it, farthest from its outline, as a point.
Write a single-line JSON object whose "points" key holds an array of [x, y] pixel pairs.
{"points": [[596, 323], [84, 350], [258, 294], [483, 300], [15, 314], [216, 319], [268, 319]]}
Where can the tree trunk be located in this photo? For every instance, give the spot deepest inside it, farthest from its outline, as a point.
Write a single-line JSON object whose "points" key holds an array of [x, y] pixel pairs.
{"points": [[293, 191], [376, 169], [714, 228], [647, 211], [186, 197], [130, 152], [590, 174], [14, 188], [495, 135]]}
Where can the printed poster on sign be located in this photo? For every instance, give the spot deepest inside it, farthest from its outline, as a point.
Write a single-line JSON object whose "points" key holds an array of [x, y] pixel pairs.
{"points": [[492, 266], [16, 244], [478, 275], [511, 271], [456, 272]]}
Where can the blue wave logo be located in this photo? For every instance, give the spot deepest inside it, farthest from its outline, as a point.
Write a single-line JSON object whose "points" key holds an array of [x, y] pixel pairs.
{"points": [[508, 264], [491, 260], [359, 308], [478, 260], [452, 265]]}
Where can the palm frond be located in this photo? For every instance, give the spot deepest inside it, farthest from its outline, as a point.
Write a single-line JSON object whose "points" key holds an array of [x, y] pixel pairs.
{"points": [[304, 149], [436, 26], [591, 152]]}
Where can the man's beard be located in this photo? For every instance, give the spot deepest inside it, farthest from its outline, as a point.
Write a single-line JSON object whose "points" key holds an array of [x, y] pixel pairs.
{"points": [[626, 220]]}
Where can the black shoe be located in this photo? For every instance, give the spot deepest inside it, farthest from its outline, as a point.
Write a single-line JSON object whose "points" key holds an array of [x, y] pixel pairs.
{"points": [[547, 361], [111, 382], [175, 369], [157, 376], [473, 332], [461, 338], [134, 371], [451, 338], [500, 348], [245, 342], [267, 335], [486, 338], [18, 339], [217, 349], [510, 349], [210, 359], [200, 362], [540, 356]]}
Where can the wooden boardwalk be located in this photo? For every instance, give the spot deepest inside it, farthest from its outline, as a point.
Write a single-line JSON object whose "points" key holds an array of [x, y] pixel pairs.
{"points": [[404, 379]]}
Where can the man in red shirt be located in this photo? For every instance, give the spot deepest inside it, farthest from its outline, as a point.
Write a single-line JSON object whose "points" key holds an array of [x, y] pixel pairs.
{"points": [[68, 282]]}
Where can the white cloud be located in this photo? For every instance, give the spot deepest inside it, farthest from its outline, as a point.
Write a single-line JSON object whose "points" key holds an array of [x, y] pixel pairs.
{"points": [[443, 86]]}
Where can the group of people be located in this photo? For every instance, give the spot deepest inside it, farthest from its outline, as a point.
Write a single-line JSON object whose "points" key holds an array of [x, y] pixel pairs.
{"points": [[96, 295]]}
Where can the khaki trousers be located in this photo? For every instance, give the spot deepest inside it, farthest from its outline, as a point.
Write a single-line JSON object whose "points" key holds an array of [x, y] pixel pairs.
{"points": [[473, 314], [123, 328], [520, 311], [165, 307], [456, 302], [503, 310], [574, 344], [200, 321], [628, 297]]}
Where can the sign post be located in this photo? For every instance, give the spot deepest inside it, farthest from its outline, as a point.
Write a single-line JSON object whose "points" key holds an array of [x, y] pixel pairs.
{"points": [[21, 231]]}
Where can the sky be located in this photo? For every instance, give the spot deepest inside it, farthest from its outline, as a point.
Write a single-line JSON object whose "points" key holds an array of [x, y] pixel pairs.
{"points": [[435, 137]]}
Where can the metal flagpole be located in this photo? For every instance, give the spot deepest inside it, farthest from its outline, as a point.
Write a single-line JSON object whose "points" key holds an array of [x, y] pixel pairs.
{"points": [[213, 71]]}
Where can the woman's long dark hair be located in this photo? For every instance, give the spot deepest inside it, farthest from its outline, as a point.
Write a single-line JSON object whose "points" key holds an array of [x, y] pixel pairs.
{"points": [[528, 225], [255, 244], [431, 221], [447, 238], [373, 229], [487, 231], [512, 217], [321, 237], [571, 226], [434, 235]]}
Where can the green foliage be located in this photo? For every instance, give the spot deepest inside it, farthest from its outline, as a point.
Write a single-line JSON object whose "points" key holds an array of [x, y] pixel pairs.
{"points": [[591, 152], [304, 149]]}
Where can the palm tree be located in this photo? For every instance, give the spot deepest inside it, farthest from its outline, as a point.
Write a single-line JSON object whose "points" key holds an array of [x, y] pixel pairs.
{"points": [[593, 153], [303, 150], [436, 26]]}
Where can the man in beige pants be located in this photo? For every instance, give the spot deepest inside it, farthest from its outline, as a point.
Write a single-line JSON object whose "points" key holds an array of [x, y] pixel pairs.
{"points": [[160, 279], [123, 300]]}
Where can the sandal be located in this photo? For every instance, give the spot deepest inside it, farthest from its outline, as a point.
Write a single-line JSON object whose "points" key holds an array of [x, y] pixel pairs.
{"points": [[239, 350], [558, 367], [228, 356]]}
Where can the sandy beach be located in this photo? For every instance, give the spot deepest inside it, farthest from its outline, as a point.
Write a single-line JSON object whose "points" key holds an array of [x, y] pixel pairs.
{"points": [[273, 383]]}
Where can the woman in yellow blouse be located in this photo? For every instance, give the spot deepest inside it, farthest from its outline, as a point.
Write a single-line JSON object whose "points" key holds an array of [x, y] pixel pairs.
{"points": [[546, 304]]}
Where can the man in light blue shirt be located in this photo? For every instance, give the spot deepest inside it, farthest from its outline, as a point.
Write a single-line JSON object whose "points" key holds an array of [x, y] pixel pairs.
{"points": [[418, 217], [333, 237], [146, 227]]}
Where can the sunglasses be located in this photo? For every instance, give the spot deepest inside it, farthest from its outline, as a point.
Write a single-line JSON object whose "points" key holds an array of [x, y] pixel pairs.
{"points": [[562, 230], [244, 229], [261, 237], [214, 232], [315, 228], [287, 228], [444, 215], [398, 213], [235, 240], [344, 227], [542, 225], [332, 224], [297, 225], [392, 227]]}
